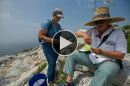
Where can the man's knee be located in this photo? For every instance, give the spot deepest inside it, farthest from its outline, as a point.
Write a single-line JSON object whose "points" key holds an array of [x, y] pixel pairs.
{"points": [[71, 56]]}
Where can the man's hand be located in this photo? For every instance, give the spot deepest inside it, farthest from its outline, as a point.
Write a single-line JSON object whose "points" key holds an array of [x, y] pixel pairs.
{"points": [[110, 54], [87, 39], [97, 51], [56, 41]]}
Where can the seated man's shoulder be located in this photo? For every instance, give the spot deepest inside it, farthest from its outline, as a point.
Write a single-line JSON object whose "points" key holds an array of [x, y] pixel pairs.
{"points": [[118, 30]]}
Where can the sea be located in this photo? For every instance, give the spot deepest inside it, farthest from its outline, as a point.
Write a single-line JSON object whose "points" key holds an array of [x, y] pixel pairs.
{"points": [[14, 49]]}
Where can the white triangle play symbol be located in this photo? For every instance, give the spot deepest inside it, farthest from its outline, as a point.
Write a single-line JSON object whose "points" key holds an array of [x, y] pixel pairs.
{"points": [[64, 42]]}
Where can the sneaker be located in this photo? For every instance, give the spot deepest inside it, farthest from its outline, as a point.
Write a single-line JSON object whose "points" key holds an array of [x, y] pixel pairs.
{"points": [[51, 85], [66, 84]]}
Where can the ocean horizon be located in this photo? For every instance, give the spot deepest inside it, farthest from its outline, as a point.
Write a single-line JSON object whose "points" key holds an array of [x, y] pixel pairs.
{"points": [[13, 49]]}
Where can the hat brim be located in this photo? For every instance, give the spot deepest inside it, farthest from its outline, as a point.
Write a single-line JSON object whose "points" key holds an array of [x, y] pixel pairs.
{"points": [[59, 15], [111, 20]]}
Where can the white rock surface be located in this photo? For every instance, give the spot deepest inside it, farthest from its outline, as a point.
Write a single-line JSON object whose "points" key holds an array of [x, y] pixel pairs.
{"points": [[16, 70]]}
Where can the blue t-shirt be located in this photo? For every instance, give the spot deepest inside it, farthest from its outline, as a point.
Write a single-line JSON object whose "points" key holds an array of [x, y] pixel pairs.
{"points": [[51, 31]]}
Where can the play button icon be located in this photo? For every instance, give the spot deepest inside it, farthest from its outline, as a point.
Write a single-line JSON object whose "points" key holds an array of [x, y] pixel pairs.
{"points": [[64, 42]]}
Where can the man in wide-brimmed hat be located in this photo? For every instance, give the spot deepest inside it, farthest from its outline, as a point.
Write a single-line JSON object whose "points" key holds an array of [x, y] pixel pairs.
{"points": [[108, 45]]}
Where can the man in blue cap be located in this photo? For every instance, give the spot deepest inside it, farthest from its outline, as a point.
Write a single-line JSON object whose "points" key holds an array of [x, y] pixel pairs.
{"points": [[48, 29]]}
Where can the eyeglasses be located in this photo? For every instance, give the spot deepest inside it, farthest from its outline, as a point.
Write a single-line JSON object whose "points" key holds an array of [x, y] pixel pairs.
{"points": [[100, 22]]}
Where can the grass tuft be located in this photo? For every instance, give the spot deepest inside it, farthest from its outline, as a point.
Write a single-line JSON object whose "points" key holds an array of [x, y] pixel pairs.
{"points": [[40, 68]]}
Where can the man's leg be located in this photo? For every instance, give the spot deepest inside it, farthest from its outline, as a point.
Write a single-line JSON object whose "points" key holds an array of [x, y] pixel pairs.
{"points": [[105, 74], [51, 57], [76, 58]]}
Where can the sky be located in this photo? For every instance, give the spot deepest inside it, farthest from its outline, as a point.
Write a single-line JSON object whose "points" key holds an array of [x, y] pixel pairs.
{"points": [[20, 19]]}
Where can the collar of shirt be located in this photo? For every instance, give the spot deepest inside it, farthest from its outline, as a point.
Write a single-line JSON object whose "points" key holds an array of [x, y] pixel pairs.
{"points": [[105, 33]]}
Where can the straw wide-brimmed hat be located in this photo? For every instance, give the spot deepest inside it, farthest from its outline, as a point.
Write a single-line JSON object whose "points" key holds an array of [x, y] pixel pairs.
{"points": [[102, 13]]}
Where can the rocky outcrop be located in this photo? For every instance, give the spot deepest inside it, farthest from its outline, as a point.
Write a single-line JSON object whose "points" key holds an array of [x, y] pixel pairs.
{"points": [[16, 70]]}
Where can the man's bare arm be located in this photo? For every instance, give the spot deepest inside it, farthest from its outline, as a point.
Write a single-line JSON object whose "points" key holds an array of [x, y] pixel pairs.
{"points": [[86, 37], [42, 35]]}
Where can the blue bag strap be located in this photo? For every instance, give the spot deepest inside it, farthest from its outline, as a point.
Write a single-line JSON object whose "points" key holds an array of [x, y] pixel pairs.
{"points": [[50, 21]]}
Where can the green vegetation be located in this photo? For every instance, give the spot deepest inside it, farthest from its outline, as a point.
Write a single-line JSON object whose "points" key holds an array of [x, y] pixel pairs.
{"points": [[116, 25], [126, 27], [40, 68], [128, 43], [61, 77]]}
